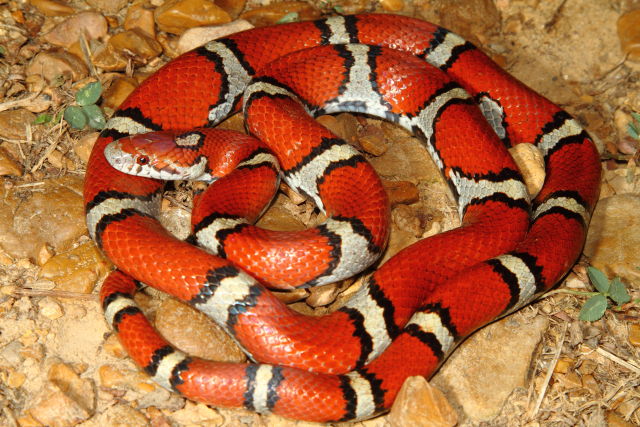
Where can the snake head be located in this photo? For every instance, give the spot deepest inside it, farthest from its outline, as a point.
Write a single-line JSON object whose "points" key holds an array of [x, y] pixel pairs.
{"points": [[155, 155]]}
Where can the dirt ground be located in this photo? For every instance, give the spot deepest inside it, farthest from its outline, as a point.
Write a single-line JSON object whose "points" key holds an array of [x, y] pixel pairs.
{"points": [[60, 364]]}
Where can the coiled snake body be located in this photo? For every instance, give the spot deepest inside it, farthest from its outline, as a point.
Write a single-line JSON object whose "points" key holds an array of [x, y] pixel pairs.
{"points": [[415, 308]]}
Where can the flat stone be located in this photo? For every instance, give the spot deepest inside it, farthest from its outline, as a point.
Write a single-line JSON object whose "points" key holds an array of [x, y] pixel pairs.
{"points": [[487, 367], [8, 166], [271, 14], [232, 7], [78, 269], [140, 16], [53, 64], [197, 36], [613, 238], [420, 404], [529, 159], [629, 34], [194, 333], [92, 24], [175, 16], [136, 43], [51, 213], [118, 91], [52, 8], [13, 123], [110, 7]]}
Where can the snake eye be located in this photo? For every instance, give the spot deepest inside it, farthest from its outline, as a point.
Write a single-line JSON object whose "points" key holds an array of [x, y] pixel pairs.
{"points": [[142, 160]]}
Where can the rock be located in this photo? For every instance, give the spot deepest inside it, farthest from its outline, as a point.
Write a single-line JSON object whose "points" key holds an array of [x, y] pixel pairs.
{"points": [[392, 5], [420, 404], [372, 140], [323, 295], [112, 377], [291, 296], [121, 415], [232, 7], [13, 123], [634, 334], [66, 400], [563, 365], [406, 159], [52, 8], [54, 408], [135, 44], [50, 308], [15, 379], [620, 181], [113, 346], [141, 17], [108, 59], [118, 91], [461, 16], [197, 414], [110, 7], [194, 333], [531, 164], [194, 37], [352, 7], [614, 237], [401, 192], [343, 126], [406, 219], [590, 383], [51, 213], [629, 34], [67, 380], [8, 166], [92, 24], [175, 16], [271, 14], [60, 161], [83, 147], [78, 269], [279, 218], [485, 369], [615, 420], [51, 65]]}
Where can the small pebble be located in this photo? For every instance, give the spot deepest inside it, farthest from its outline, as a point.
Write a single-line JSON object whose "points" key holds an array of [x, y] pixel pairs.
{"points": [[50, 308]]}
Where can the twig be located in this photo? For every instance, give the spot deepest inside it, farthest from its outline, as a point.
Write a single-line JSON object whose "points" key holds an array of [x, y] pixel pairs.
{"points": [[54, 293], [49, 149], [550, 369], [22, 102], [629, 365]]}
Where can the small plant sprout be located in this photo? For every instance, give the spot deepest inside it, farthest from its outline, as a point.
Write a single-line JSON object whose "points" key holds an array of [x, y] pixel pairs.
{"points": [[633, 128], [86, 112], [596, 306]]}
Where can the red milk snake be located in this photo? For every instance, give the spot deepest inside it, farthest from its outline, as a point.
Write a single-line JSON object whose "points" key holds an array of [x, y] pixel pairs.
{"points": [[415, 307]]}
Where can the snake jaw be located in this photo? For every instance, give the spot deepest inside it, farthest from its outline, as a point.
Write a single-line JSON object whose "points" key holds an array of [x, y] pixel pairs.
{"points": [[120, 160]]}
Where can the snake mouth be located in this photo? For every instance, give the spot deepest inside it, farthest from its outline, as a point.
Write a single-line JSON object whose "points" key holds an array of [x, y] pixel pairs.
{"points": [[113, 155]]}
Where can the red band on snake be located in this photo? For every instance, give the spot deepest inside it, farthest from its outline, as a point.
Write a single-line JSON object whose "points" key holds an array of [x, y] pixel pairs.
{"points": [[419, 304]]}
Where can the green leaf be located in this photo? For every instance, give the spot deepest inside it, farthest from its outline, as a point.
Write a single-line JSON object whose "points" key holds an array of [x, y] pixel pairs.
{"points": [[598, 279], [594, 308], [2, 50], [42, 119], [289, 17], [95, 116], [89, 94], [636, 116], [618, 293], [633, 131], [75, 117]]}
